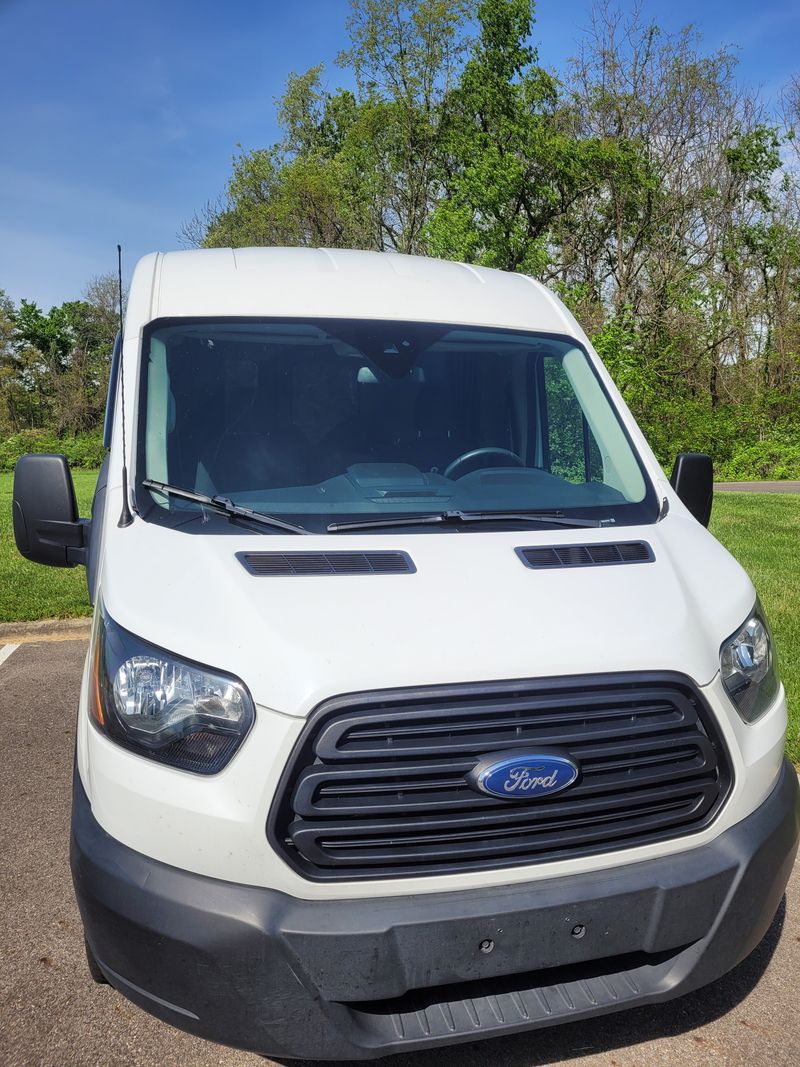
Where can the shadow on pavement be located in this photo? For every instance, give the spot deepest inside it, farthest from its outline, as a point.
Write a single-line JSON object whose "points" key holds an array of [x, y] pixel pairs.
{"points": [[607, 1032]]}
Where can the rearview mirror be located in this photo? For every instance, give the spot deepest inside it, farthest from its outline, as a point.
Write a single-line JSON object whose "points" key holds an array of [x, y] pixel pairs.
{"points": [[45, 513], [693, 481]]}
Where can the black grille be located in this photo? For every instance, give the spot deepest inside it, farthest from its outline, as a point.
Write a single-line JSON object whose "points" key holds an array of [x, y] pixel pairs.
{"points": [[601, 554], [300, 564], [376, 786]]}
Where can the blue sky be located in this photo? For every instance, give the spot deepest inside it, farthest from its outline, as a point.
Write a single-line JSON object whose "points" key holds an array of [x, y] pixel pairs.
{"points": [[119, 118]]}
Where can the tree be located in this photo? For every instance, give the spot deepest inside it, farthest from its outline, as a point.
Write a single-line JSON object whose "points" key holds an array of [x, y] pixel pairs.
{"points": [[660, 197], [512, 166], [406, 57], [660, 251], [7, 371], [55, 365], [356, 169]]}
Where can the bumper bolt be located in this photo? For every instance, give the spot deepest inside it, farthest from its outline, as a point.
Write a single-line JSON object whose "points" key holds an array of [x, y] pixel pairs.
{"points": [[578, 931], [486, 945]]}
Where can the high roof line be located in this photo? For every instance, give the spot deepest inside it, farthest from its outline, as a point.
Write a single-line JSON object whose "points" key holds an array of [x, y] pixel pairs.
{"points": [[340, 283]]}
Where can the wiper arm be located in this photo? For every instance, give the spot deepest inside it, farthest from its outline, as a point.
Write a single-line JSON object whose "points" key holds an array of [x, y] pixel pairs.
{"points": [[457, 518], [224, 506]]}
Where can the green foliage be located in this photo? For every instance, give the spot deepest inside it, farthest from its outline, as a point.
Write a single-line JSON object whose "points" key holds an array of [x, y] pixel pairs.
{"points": [[54, 375], [352, 169], [754, 156], [54, 366], [773, 458], [405, 48], [512, 168], [83, 451]]}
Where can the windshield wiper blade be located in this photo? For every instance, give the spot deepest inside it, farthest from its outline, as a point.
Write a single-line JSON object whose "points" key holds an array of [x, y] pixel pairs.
{"points": [[551, 518], [224, 506], [456, 518]]}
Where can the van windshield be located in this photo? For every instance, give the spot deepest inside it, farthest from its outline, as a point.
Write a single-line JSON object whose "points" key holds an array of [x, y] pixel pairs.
{"points": [[322, 421]]}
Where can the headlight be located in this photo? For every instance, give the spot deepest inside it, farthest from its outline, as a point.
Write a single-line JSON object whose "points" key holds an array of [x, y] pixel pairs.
{"points": [[749, 670], [164, 707]]}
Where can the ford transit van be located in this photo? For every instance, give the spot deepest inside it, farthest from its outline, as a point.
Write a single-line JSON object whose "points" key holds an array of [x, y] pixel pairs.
{"points": [[420, 705]]}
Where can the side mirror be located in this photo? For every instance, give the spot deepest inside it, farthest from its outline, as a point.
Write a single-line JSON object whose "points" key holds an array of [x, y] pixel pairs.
{"points": [[46, 524], [693, 481]]}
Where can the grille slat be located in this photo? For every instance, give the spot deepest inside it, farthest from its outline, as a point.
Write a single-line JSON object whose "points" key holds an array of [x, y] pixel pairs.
{"points": [[520, 733], [520, 719], [541, 715], [491, 840], [312, 799], [518, 816], [377, 786], [484, 844]]}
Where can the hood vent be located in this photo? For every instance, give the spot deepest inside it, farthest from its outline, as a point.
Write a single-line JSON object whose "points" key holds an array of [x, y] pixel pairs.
{"points": [[602, 554], [306, 564]]}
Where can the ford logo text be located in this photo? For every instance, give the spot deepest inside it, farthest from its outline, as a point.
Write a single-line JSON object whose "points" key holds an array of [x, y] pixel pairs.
{"points": [[521, 775]]}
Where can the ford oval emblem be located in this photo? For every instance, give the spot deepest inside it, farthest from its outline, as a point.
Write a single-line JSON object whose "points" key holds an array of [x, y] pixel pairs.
{"points": [[523, 775]]}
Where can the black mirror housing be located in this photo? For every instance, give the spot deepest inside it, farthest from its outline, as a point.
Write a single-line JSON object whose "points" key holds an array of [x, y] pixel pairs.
{"points": [[47, 528], [693, 480]]}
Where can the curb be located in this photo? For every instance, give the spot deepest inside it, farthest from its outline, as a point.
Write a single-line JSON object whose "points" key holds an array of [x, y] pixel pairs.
{"points": [[25, 633]]}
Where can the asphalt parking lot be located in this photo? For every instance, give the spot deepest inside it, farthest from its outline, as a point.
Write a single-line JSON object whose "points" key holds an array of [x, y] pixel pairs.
{"points": [[52, 1014]]}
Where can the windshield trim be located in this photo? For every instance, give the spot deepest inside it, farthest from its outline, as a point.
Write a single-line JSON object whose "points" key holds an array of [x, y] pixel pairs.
{"points": [[643, 512]]}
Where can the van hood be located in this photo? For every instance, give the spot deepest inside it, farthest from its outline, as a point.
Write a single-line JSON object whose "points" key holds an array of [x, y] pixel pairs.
{"points": [[471, 611]]}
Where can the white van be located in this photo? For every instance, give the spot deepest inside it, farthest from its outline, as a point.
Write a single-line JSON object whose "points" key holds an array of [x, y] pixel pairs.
{"points": [[420, 706]]}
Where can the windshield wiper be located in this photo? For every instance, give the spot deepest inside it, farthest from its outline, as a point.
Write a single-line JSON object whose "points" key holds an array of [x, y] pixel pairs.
{"points": [[457, 518], [224, 506]]}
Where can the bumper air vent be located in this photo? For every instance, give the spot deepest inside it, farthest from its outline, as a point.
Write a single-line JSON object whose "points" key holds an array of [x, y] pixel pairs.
{"points": [[602, 554], [378, 784], [306, 564]]}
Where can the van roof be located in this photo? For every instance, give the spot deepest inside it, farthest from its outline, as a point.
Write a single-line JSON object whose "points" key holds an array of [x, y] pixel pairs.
{"points": [[339, 283]]}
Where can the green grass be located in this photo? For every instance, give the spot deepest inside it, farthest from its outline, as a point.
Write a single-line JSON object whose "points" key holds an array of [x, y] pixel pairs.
{"points": [[761, 530], [28, 590]]}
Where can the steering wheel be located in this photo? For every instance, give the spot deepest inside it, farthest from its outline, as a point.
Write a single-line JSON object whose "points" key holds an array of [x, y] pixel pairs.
{"points": [[479, 453]]}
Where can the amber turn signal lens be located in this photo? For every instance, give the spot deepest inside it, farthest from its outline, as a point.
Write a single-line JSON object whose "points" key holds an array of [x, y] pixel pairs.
{"points": [[95, 703]]}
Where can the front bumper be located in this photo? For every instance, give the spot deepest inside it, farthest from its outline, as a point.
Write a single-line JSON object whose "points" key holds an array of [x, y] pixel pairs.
{"points": [[257, 969]]}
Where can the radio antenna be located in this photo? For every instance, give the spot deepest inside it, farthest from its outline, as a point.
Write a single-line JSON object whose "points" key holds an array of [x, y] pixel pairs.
{"points": [[125, 518]]}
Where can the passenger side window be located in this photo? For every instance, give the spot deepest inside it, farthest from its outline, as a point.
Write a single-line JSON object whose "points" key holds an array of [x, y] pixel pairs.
{"points": [[573, 451]]}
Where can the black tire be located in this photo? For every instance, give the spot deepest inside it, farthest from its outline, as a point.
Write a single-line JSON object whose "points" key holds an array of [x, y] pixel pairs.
{"points": [[93, 965]]}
